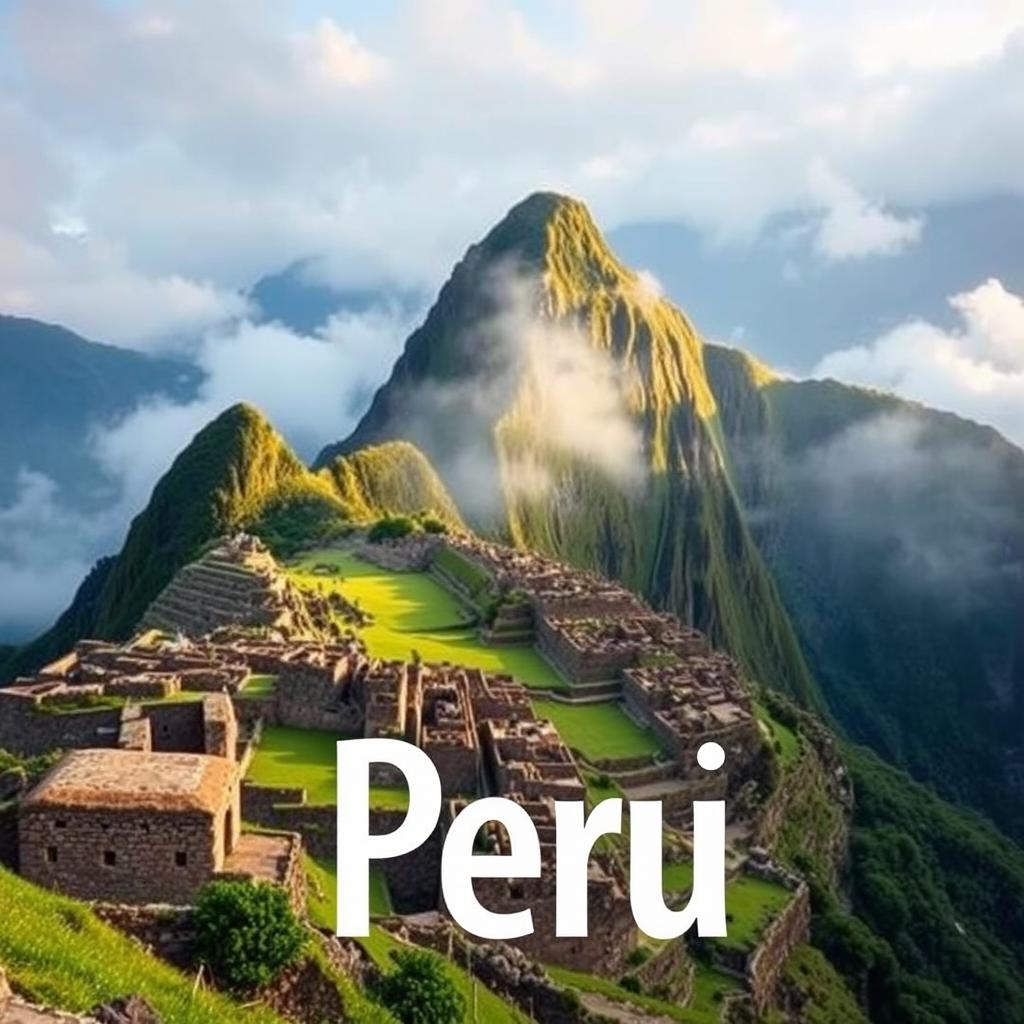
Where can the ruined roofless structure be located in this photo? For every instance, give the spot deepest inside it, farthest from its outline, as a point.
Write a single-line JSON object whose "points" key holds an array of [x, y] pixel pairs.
{"points": [[235, 583], [130, 826]]}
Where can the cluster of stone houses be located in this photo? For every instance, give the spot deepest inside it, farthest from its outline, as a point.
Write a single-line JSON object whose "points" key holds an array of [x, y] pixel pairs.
{"points": [[147, 804]]}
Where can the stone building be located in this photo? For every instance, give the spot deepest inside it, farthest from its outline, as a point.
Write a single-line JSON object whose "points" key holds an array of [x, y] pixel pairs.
{"points": [[130, 826]]}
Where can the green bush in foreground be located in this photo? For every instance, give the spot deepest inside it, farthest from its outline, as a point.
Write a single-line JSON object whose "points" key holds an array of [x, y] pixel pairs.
{"points": [[246, 934], [418, 991]]}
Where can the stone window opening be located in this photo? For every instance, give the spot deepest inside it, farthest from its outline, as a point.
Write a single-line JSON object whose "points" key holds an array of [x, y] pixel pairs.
{"points": [[181, 859], [515, 890], [60, 823], [51, 854], [109, 858]]}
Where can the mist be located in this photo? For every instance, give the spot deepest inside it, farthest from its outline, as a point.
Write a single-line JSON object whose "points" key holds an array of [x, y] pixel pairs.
{"points": [[311, 387]]}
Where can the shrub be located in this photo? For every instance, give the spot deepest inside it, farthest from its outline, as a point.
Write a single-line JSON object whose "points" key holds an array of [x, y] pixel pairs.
{"points": [[246, 934], [431, 524], [418, 991], [631, 983], [639, 956], [391, 528]]}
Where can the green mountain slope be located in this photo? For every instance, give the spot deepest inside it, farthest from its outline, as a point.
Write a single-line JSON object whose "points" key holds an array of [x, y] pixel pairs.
{"points": [[567, 408], [55, 387], [392, 477], [932, 931], [236, 474], [57, 953], [896, 535]]}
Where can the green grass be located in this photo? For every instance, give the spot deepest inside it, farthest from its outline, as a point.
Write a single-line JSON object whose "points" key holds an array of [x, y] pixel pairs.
{"points": [[259, 686], [308, 758], [750, 905], [787, 740], [600, 732], [709, 989], [322, 892], [56, 952], [705, 1007], [677, 877], [413, 612], [490, 1009]]}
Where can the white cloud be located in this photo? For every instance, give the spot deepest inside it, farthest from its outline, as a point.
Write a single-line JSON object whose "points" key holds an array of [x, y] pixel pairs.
{"points": [[311, 388], [976, 369], [210, 143], [853, 226]]}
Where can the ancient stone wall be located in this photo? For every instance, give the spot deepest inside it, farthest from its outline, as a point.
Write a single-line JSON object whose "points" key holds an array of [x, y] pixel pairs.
{"points": [[177, 728], [26, 731], [788, 930], [414, 879], [112, 854], [166, 929]]}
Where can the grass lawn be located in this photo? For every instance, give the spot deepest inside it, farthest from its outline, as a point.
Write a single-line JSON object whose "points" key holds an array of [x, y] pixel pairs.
{"points": [[787, 740], [412, 611], [704, 1008], [750, 905], [259, 686], [56, 952], [322, 892], [600, 732], [307, 757], [677, 877], [490, 1009]]}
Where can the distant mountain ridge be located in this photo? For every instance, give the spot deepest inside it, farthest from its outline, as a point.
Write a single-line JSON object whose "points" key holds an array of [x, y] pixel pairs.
{"points": [[55, 387], [896, 535]]}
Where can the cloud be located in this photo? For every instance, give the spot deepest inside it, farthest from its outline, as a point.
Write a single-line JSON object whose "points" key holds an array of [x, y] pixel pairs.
{"points": [[975, 369], [45, 552], [902, 499], [211, 143], [312, 388], [538, 386], [853, 226]]}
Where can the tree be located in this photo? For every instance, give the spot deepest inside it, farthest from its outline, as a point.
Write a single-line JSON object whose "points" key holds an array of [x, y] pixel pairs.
{"points": [[246, 934], [418, 991]]}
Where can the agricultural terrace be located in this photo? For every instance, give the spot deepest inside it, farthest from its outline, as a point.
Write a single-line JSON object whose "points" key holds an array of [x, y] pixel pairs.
{"points": [[750, 905], [307, 759], [600, 732], [413, 612]]}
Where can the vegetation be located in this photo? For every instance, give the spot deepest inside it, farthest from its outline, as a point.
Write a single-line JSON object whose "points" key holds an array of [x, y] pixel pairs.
{"points": [[937, 929], [246, 934], [705, 1007], [33, 767], [599, 732], [418, 991], [482, 1004], [307, 759], [391, 528], [394, 478], [811, 983], [750, 905], [678, 536], [412, 612], [56, 952], [322, 893], [891, 528], [236, 473]]}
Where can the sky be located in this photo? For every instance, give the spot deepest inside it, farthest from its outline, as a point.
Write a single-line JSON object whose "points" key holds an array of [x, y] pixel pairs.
{"points": [[160, 156]]}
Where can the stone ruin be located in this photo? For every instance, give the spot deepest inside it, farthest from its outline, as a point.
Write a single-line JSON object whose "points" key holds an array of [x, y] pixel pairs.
{"points": [[239, 583], [478, 728]]}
